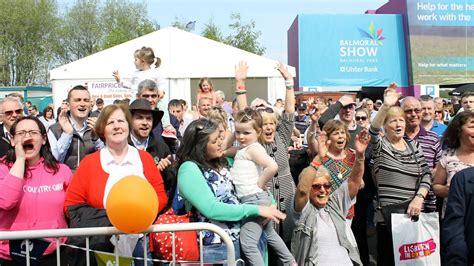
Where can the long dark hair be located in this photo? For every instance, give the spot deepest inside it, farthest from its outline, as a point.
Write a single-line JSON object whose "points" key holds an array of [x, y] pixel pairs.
{"points": [[452, 135], [193, 146], [51, 164]]}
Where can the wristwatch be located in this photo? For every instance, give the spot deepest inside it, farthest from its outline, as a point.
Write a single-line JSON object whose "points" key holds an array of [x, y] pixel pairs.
{"points": [[420, 195]]}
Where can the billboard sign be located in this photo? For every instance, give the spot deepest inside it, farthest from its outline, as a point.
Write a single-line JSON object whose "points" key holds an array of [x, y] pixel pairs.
{"points": [[441, 41], [351, 50]]}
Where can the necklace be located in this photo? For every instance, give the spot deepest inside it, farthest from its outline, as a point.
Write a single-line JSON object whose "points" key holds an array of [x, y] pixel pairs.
{"points": [[338, 160], [338, 166]]}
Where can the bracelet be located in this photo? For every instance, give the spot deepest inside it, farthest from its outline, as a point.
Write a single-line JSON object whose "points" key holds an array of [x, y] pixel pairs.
{"points": [[289, 83], [420, 195], [316, 164], [240, 92], [241, 88], [360, 160]]}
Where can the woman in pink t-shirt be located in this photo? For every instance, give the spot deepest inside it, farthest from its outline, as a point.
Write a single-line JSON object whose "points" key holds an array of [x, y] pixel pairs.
{"points": [[33, 186]]}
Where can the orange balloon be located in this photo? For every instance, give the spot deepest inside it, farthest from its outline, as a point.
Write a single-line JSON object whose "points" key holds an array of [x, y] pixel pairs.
{"points": [[132, 204]]}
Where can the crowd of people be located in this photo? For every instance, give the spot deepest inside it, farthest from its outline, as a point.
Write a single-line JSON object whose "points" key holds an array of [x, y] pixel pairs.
{"points": [[230, 163]]}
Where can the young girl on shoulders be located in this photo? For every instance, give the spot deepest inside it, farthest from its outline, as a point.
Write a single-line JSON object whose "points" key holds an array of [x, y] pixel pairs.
{"points": [[144, 60], [252, 168], [206, 90]]}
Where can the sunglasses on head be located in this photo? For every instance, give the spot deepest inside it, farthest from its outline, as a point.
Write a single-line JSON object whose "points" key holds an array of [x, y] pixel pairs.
{"points": [[410, 111], [319, 186], [262, 108], [245, 118], [359, 118], [10, 112]]}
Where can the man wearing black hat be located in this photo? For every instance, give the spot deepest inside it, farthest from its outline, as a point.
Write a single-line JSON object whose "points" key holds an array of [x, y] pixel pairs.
{"points": [[302, 120], [144, 119]]}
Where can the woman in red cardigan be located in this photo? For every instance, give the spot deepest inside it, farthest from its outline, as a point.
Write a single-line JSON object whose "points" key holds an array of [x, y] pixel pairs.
{"points": [[99, 171]]}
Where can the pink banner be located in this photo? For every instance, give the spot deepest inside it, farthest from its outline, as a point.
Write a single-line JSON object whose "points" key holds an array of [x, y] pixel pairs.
{"points": [[417, 250]]}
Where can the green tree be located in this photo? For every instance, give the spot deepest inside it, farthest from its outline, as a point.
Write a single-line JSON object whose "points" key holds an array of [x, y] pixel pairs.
{"points": [[212, 31], [26, 30], [124, 20], [80, 33], [89, 27], [244, 35]]}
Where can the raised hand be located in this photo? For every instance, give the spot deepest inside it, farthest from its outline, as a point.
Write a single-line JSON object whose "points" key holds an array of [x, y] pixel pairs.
{"points": [[315, 118], [91, 122], [390, 96], [116, 75], [64, 122], [323, 144], [362, 141], [284, 71], [241, 70]]}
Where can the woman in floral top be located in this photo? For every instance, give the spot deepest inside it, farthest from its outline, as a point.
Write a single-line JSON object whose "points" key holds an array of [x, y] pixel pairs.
{"points": [[205, 183], [459, 139]]}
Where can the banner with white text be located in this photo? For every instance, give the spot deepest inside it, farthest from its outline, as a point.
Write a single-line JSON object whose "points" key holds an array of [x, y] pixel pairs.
{"points": [[351, 50], [441, 41]]}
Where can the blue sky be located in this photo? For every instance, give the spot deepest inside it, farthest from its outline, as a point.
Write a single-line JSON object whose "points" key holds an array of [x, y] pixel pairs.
{"points": [[272, 17]]}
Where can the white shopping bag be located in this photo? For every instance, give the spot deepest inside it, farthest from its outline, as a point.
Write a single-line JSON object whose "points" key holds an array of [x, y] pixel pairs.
{"points": [[416, 243]]}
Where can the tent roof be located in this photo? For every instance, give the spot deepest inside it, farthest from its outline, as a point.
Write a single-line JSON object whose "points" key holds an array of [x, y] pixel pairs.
{"points": [[183, 55]]}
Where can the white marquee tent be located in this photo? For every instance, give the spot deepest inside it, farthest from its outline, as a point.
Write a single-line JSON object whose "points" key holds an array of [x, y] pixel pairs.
{"points": [[184, 56]]}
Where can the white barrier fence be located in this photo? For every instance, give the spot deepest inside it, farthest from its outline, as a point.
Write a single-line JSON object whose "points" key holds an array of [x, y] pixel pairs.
{"points": [[92, 231]]}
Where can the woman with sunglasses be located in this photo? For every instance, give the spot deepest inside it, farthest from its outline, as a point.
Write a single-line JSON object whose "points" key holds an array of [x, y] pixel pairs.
{"points": [[205, 183], [400, 170], [322, 209], [33, 186], [362, 117], [275, 137]]}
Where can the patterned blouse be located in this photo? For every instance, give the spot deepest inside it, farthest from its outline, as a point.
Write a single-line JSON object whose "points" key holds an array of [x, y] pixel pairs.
{"points": [[221, 185]]}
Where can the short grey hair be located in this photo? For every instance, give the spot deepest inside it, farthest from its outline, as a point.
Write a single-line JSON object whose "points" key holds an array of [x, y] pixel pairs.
{"points": [[220, 94], [10, 99], [147, 84]]}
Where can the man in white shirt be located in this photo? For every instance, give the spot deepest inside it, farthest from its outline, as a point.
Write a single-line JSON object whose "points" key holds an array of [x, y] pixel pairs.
{"points": [[73, 137]]}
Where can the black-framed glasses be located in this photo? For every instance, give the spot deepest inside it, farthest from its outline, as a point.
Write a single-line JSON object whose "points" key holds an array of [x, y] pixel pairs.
{"points": [[317, 187], [361, 118], [32, 133], [10, 112], [410, 111], [438, 112]]}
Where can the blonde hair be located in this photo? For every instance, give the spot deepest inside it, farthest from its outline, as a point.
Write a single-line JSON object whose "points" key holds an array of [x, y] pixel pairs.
{"points": [[218, 115], [250, 115], [394, 111]]}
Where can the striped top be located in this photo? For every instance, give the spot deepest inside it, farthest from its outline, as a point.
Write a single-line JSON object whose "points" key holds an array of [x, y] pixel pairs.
{"points": [[396, 172], [431, 146], [282, 185]]}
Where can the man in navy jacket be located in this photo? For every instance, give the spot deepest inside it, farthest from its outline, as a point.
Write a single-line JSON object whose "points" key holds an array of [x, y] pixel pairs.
{"points": [[458, 226]]}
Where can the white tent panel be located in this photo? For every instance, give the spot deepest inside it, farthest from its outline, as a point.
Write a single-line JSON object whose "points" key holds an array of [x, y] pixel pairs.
{"points": [[183, 55]]}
